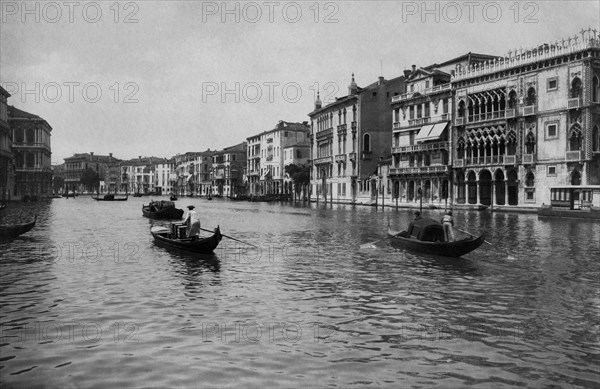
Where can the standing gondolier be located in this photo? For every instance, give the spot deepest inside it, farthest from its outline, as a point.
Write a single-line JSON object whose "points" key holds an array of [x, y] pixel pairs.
{"points": [[193, 222], [447, 224]]}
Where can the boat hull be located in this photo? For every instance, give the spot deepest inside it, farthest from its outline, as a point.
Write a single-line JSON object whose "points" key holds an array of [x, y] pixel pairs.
{"points": [[163, 237], [110, 198], [446, 249], [169, 213], [11, 232]]}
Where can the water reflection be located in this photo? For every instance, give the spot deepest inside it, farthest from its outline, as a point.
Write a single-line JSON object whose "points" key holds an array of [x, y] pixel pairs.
{"points": [[520, 312]]}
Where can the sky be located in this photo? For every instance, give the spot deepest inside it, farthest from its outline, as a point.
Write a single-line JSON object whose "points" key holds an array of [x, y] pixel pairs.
{"points": [[158, 78]]}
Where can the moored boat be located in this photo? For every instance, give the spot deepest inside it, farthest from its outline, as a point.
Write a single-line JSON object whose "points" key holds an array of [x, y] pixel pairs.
{"points": [[173, 198], [427, 236], [173, 238], [162, 210], [110, 197], [10, 232]]}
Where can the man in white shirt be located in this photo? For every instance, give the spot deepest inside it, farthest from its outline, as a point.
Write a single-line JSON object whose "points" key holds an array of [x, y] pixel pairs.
{"points": [[193, 222]]}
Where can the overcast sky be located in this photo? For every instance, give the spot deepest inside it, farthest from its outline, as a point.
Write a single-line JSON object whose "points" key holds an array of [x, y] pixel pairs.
{"points": [[166, 77]]}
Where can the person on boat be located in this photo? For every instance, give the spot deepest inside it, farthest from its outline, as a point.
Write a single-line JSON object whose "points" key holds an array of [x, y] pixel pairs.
{"points": [[447, 224], [193, 222]]}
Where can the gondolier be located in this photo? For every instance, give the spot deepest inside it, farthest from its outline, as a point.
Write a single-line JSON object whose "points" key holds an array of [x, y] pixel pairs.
{"points": [[447, 224], [193, 222]]}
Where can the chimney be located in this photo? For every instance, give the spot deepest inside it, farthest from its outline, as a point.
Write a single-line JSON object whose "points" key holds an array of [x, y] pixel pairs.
{"points": [[140, 158], [381, 79], [91, 155], [406, 73], [414, 67]]}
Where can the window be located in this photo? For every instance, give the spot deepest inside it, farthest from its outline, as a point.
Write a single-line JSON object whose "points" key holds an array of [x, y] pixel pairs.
{"points": [[426, 110], [445, 106], [596, 89], [411, 112], [419, 111], [412, 88], [552, 84], [551, 130], [427, 84], [367, 143], [551, 171], [531, 97]]}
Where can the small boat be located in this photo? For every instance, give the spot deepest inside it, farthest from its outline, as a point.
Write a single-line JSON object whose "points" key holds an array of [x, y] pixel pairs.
{"points": [[173, 198], [2, 206], [197, 244], [162, 210], [12, 231], [427, 236], [110, 197], [137, 195]]}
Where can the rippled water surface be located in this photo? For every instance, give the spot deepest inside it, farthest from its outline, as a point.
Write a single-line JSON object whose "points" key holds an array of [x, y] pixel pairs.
{"points": [[88, 300]]}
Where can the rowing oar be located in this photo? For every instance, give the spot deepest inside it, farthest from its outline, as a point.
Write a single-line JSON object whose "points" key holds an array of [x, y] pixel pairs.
{"points": [[485, 241], [371, 245], [230, 237]]}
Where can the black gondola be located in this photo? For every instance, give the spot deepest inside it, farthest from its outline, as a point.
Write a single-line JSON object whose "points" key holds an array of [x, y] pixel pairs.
{"points": [[169, 238], [427, 236], [173, 198], [162, 210], [110, 197], [12, 231]]}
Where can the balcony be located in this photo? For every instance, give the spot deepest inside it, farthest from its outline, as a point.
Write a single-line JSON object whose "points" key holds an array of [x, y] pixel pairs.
{"points": [[510, 113], [510, 160], [459, 163], [327, 133], [366, 155], [416, 122], [445, 116], [396, 126], [487, 160], [342, 128], [352, 156], [529, 110], [573, 155], [421, 147], [353, 126], [269, 158], [460, 121], [481, 117], [323, 160], [528, 158], [340, 158], [419, 170], [574, 103], [425, 92]]}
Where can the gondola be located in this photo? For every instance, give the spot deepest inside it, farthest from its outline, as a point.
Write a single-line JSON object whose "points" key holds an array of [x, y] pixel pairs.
{"points": [[12, 231], [173, 198], [169, 238], [162, 210], [427, 236], [110, 197]]}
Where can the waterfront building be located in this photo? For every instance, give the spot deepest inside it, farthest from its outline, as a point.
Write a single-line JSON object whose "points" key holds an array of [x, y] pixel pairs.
{"points": [[295, 154], [266, 158], [420, 167], [185, 184], [202, 173], [106, 166], [253, 168], [138, 174], [32, 154], [228, 171], [526, 122], [348, 138], [164, 176], [7, 176]]}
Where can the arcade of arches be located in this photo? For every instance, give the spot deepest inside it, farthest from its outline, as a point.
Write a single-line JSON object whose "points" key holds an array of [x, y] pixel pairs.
{"points": [[431, 189], [498, 186]]}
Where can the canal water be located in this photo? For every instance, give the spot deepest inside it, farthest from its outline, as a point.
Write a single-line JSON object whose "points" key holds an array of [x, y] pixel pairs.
{"points": [[88, 300]]}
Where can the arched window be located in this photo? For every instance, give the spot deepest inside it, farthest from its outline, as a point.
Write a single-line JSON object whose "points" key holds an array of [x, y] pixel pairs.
{"points": [[576, 178], [511, 140], [576, 87], [530, 143], [461, 109], [595, 139], [596, 89], [531, 97], [575, 138], [367, 142], [460, 151], [512, 99], [530, 180], [30, 160]]}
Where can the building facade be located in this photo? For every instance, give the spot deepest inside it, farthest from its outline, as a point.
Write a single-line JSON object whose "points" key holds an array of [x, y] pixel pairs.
{"points": [[32, 154], [420, 167], [7, 176], [526, 122], [228, 171], [348, 138], [106, 166], [253, 168]]}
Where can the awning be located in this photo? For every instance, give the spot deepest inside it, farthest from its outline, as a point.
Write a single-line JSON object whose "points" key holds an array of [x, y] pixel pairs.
{"points": [[266, 174], [190, 178], [431, 132]]}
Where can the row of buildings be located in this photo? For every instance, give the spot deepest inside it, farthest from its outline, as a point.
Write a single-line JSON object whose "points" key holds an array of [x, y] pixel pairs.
{"points": [[478, 130], [253, 167], [25, 153]]}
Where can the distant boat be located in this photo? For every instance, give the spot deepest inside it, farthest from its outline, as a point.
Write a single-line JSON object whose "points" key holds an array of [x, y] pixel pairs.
{"points": [[137, 195], [110, 197], [169, 238], [162, 210], [173, 198], [427, 236], [9, 232]]}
